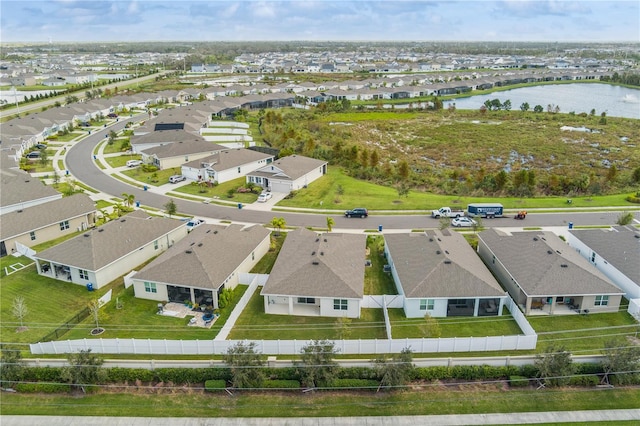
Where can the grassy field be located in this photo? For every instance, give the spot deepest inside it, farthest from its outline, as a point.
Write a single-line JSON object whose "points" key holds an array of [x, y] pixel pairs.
{"points": [[220, 191], [147, 178], [254, 323], [431, 399], [120, 160], [338, 191]]}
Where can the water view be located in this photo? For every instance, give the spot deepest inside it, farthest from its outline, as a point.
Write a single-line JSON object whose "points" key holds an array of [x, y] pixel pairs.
{"points": [[616, 101]]}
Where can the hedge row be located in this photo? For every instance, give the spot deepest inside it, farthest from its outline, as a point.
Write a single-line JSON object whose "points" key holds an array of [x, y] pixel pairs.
{"points": [[42, 388], [214, 385], [354, 383]]}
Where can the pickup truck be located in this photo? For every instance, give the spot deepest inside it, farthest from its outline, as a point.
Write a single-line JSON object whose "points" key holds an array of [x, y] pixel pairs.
{"points": [[446, 212]]}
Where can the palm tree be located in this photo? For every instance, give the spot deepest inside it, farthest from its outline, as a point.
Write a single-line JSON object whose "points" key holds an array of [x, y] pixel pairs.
{"points": [[278, 223], [128, 199], [330, 223]]}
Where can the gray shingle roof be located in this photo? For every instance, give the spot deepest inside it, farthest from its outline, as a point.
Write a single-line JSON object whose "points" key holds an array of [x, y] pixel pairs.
{"points": [[36, 217], [292, 167], [314, 265], [620, 247], [205, 257], [101, 246], [230, 158], [440, 264], [17, 186], [535, 260]]}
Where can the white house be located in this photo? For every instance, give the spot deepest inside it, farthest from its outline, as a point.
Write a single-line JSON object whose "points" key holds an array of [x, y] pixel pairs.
{"points": [[317, 275], [225, 165], [288, 173]]}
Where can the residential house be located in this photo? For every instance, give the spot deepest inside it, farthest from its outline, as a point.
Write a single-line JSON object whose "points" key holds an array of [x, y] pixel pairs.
{"points": [[544, 275], [40, 223], [614, 251], [20, 190], [103, 254], [288, 173], [199, 267], [317, 275], [184, 148], [225, 165], [439, 274]]}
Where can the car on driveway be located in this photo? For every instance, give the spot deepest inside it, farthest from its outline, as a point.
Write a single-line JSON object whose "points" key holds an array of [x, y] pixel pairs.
{"points": [[177, 178], [459, 222], [194, 223], [112, 115], [33, 155], [262, 198], [134, 163], [40, 146], [357, 212]]}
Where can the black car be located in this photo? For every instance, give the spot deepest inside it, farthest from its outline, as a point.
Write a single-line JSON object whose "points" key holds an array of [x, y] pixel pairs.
{"points": [[33, 155], [40, 146], [357, 212]]}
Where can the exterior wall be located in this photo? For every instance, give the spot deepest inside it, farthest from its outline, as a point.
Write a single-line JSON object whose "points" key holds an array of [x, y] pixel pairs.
{"points": [[139, 292], [49, 233], [327, 310], [412, 308], [501, 274], [631, 289], [588, 302], [192, 173], [178, 161]]}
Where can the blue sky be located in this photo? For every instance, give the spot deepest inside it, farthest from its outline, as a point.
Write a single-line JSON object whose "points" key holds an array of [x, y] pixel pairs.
{"points": [[214, 20]]}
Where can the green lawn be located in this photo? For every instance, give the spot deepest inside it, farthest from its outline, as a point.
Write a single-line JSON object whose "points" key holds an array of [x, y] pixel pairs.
{"points": [[337, 191], [138, 319], [147, 178], [584, 333], [121, 160], [50, 303], [65, 138], [221, 191], [432, 399], [376, 281], [402, 327], [255, 324], [265, 264]]}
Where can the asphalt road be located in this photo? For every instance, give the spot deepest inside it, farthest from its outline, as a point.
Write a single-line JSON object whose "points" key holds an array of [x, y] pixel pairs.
{"points": [[81, 166]]}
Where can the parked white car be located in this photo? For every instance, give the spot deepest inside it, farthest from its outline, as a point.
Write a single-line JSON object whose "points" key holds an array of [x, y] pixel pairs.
{"points": [[463, 221], [134, 163], [194, 223], [262, 198], [177, 178]]}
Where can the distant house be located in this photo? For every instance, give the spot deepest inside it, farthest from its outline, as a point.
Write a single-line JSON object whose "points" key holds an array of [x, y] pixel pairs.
{"points": [[185, 147], [544, 275], [288, 173], [615, 252], [44, 222], [103, 254], [439, 274], [317, 275], [225, 165], [200, 266]]}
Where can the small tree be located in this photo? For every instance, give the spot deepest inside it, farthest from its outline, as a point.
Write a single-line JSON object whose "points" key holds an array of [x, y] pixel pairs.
{"points": [[397, 371], [431, 327], [94, 308], [477, 224], [343, 326], [278, 223], [555, 366], [622, 363], [245, 364], [317, 366], [170, 207], [129, 199], [444, 223], [330, 223], [84, 369], [625, 219], [20, 311]]}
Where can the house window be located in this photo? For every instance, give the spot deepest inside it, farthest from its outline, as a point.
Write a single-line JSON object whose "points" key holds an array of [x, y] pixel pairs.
{"points": [[258, 180], [238, 169], [150, 287], [253, 255], [427, 304], [155, 245], [64, 225], [32, 234], [601, 301], [493, 259], [84, 275], [593, 257], [307, 300], [340, 304]]}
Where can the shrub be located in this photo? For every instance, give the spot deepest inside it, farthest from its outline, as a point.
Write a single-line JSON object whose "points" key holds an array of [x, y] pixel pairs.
{"points": [[281, 384], [586, 380], [518, 381], [214, 385], [354, 383], [121, 375], [42, 387]]}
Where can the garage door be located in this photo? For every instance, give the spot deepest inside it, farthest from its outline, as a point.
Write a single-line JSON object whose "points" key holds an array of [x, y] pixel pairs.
{"points": [[280, 187]]}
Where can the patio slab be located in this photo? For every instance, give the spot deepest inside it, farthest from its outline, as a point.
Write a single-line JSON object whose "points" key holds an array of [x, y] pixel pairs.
{"points": [[179, 310]]}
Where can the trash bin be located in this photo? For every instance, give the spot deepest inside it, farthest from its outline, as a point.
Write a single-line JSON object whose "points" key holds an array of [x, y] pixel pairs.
{"points": [[570, 225], [90, 286], [137, 203], [95, 157], [66, 172], [379, 228], [240, 205], [144, 187]]}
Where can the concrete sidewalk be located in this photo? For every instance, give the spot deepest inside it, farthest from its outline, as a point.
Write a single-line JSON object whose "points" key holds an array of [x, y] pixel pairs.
{"points": [[578, 417]]}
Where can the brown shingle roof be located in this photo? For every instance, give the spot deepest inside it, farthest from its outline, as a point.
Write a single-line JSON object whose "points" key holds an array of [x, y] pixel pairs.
{"points": [[313, 265]]}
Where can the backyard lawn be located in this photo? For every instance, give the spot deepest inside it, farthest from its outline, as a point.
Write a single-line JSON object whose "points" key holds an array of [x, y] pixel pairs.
{"points": [[376, 281], [402, 327], [255, 324]]}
